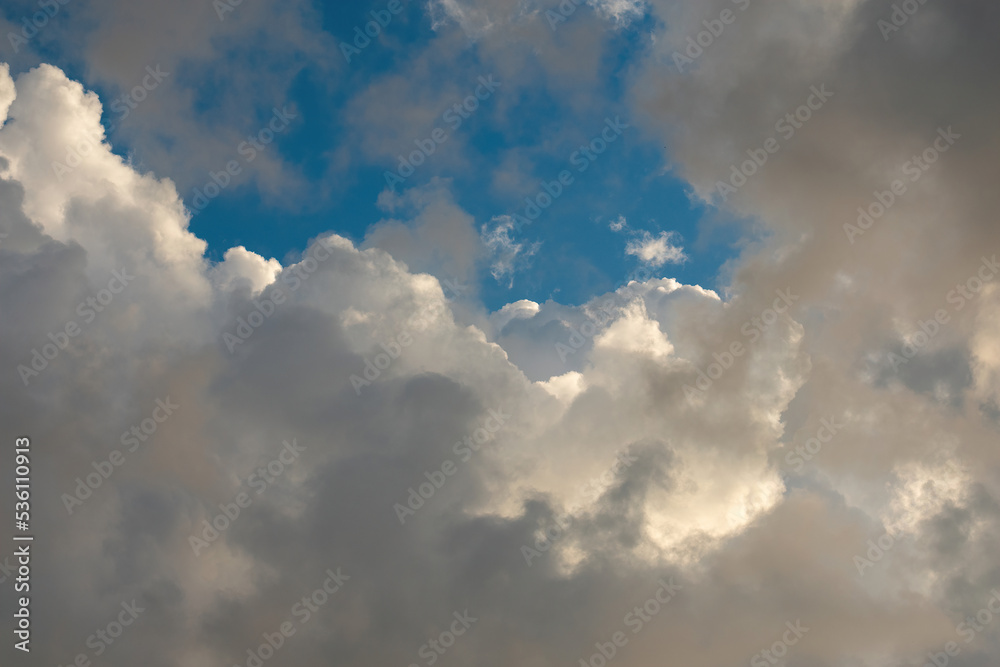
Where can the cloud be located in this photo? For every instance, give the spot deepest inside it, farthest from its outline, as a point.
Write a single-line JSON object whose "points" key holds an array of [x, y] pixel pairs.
{"points": [[172, 128], [341, 307], [508, 256], [241, 267], [622, 12], [655, 250], [474, 20], [479, 17], [710, 394]]}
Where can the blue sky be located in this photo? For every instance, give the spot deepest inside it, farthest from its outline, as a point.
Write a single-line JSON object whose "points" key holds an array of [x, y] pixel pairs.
{"points": [[526, 133], [582, 256]]}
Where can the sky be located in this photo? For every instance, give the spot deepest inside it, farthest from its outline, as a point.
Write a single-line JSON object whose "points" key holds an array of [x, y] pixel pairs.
{"points": [[327, 169], [515, 332]]}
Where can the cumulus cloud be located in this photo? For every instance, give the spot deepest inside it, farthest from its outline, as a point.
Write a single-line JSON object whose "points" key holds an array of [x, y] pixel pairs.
{"points": [[650, 433], [654, 250], [340, 307]]}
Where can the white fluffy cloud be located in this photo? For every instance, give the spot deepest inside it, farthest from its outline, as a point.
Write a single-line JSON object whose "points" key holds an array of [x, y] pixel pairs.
{"points": [[656, 250]]}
